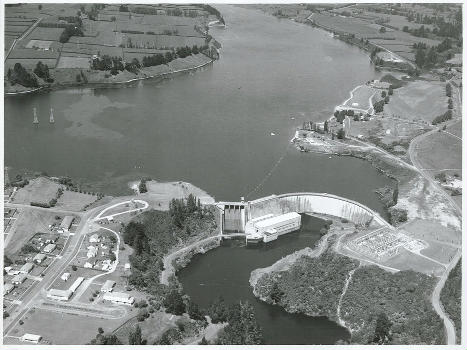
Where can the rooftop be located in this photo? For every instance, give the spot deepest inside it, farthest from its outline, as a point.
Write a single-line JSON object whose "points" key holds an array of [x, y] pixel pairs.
{"points": [[277, 219]]}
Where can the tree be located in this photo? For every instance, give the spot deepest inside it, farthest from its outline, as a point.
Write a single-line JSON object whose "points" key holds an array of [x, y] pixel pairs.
{"points": [[194, 311], [243, 329], [341, 134], [100, 330], [218, 310], [276, 294], [203, 341], [326, 126], [420, 57], [383, 93], [173, 303], [382, 330], [390, 91], [135, 337], [382, 30]]}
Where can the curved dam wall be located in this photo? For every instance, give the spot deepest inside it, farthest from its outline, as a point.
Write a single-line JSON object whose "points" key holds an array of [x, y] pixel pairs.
{"points": [[321, 203]]}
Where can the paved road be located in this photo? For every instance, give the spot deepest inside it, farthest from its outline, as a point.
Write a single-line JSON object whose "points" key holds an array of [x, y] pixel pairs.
{"points": [[85, 226], [449, 326], [435, 298], [25, 34]]}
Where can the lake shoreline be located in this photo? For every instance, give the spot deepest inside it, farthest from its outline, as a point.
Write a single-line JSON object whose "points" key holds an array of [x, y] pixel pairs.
{"points": [[110, 84]]}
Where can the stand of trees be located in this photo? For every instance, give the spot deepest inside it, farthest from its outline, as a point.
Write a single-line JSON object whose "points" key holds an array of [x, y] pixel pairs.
{"points": [[242, 328], [19, 75], [70, 30], [42, 71], [155, 232]]}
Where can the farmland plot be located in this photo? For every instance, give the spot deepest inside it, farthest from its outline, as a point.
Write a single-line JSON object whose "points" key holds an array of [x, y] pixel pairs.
{"points": [[39, 44], [42, 33], [73, 62], [29, 62]]}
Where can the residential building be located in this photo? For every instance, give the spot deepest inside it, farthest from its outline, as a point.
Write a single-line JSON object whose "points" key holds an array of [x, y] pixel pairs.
{"points": [[59, 294], [76, 284], [66, 223], [26, 268], [49, 248], [18, 279], [108, 286], [7, 288], [32, 338], [39, 258], [65, 276], [119, 298], [94, 238]]}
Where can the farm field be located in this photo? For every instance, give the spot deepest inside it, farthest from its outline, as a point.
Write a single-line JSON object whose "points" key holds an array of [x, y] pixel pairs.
{"points": [[104, 31], [346, 24], [28, 223], [406, 259], [419, 100], [49, 324], [440, 252], [73, 62], [432, 231], [440, 151], [74, 201], [40, 190]]}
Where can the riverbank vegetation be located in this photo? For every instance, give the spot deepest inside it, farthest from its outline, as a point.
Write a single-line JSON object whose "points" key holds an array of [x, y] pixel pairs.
{"points": [[242, 327], [451, 296], [404, 297], [156, 232], [311, 285]]}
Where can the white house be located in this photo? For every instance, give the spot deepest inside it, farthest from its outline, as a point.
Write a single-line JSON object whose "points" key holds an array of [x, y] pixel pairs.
{"points": [[39, 257], [65, 276], [66, 223], [94, 238], [26, 268], [92, 251], [108, 286], [49, 248], [59, 294], [18, 279], [32, 338], [88, 265], [7, 288], [119, 298]]}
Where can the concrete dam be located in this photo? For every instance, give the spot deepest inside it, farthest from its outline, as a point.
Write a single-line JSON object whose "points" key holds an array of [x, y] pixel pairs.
{"points": [[234, 215]]}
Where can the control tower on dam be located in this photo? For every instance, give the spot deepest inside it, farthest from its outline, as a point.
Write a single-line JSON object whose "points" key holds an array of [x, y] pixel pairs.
{"points": [[235, 215]]}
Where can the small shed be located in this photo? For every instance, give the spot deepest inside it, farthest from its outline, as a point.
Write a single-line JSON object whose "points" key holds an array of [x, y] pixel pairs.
{"points": [[66, 223]]}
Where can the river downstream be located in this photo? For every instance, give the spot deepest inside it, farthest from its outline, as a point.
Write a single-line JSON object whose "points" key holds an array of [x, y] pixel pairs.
{"points": [[225, 128]]}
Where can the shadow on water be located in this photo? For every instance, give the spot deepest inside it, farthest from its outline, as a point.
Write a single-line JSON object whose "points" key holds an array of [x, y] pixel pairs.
{"points": [[225, 271]]}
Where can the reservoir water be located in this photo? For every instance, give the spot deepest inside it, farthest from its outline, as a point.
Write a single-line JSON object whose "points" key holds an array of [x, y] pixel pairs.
{"points": [[225, 272], [213, 129]]}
